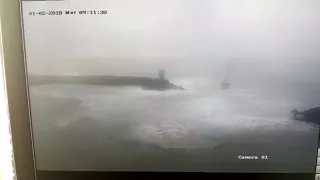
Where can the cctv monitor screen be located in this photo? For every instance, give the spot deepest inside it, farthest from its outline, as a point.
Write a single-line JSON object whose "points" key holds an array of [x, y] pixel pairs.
{"points": [[214, 86]]}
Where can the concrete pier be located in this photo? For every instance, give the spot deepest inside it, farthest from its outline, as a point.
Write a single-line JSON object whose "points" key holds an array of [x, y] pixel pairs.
{"points": [[146, 83]]}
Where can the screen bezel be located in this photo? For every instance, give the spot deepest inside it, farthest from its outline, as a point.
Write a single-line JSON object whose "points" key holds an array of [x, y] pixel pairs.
{"points": [[15, 79], [21, 128]]}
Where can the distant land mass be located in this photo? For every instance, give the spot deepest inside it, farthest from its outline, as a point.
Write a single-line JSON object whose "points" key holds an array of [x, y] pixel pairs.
{"points": [[146, 83]]}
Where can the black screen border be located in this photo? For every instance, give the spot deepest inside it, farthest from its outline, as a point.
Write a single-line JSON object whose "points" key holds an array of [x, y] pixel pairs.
{"points": [[85, 175]]}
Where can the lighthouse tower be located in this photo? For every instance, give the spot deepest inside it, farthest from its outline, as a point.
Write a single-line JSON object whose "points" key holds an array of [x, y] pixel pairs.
{"points": [[162, 75]]}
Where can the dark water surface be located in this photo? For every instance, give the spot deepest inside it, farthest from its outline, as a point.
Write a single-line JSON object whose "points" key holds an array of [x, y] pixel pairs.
{"points": [[202, 129]]}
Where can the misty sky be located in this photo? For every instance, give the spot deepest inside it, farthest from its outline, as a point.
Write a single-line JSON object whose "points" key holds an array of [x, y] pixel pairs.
{"points": [[190, 35]]}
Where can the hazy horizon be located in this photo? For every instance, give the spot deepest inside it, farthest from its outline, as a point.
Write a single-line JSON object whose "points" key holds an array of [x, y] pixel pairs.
{"points": [[200, 37]]}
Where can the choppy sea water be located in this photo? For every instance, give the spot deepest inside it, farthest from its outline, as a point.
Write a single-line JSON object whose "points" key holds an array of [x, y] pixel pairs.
{"points": [[99, 128]]}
